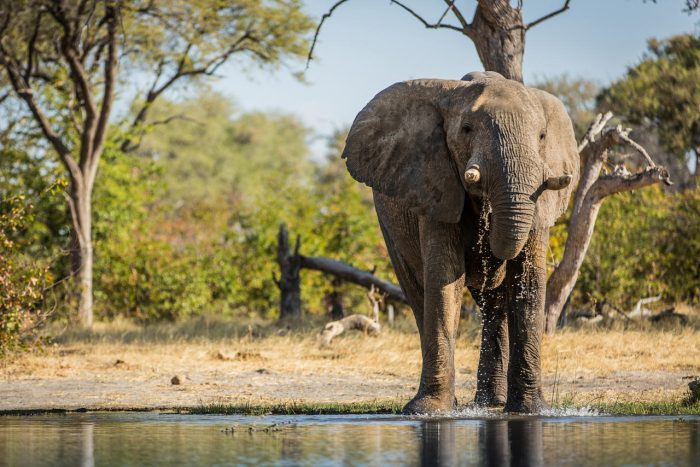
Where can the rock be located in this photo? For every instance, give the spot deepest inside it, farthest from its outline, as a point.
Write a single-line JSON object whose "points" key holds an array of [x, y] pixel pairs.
{"points": [[177, 380]]}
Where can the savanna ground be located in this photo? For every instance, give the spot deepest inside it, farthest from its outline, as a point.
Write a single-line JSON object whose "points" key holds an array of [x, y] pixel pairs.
{"points": [[227, 366]]}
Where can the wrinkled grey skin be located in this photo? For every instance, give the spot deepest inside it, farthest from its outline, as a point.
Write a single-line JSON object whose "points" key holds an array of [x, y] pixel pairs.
{"points": [[413, 144]]}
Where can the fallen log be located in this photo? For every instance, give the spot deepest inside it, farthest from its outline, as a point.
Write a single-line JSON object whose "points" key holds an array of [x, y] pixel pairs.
{"points": [[352, 274], [350, 323]]}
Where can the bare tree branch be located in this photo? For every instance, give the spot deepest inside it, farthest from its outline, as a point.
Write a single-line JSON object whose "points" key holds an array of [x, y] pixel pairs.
{"points": [[27, 95], [209, 68], [465, 29], [110, 76], [548, 16], [31, 49], [425, 23], [172, 118], [613, 183], [458, 14], [318, 30], [594, 129]]}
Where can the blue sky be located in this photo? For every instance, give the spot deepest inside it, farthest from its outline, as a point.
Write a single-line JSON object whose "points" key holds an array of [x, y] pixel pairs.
{"points": [[369, 44]]}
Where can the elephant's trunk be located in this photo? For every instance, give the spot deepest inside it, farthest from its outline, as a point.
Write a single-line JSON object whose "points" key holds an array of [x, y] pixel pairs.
{"points": [[511, 222], [513, 208]]}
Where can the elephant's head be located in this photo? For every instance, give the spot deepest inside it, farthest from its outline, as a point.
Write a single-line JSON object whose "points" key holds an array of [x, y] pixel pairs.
{"points": [[430, 141]]}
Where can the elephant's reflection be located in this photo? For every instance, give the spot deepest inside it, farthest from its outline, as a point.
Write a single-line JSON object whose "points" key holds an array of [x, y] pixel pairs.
{"points": [[500, 443]]}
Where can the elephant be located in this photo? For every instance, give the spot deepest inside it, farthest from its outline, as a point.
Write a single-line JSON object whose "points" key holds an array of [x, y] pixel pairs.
{"points": [[452, 164]]}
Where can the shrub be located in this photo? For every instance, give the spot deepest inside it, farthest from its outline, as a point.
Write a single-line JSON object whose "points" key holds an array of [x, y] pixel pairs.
{"points": [[23, 281]]}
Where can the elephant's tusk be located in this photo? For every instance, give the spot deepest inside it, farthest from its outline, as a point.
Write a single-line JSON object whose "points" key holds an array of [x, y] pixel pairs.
{"points": [[557, 183], [472, 175]]}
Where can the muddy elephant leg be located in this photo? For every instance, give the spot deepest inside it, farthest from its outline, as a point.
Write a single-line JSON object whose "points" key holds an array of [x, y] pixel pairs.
{"points": [[491, 380], [443, 279], [526, 278]]}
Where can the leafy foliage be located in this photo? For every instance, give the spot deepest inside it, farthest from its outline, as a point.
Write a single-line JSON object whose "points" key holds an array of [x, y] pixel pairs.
{"points": [[680, 244], [646, 244], [663, 91], [23, 279], [210, 153]]}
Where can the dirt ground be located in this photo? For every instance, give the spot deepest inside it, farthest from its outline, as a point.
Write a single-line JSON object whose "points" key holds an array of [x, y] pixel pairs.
{"points": [[124, 368]]}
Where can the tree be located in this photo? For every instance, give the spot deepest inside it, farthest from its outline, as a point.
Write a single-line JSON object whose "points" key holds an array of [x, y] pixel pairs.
{"points": [[63, 60], [242, 151], [662, 93], [498, 33], [496, 29]]}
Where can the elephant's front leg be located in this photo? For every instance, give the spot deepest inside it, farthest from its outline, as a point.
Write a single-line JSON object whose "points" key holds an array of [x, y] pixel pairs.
{"points": [[526, 278], [443, 279]]}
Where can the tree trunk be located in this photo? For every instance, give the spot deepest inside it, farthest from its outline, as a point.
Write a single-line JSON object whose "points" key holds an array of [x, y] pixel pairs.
{"points": [[85, 302], [563, 279], [335, 300], [498, 33], [80, 206], [289, 282]]}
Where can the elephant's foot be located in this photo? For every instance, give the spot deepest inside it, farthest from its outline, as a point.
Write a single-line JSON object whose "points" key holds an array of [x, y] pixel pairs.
{"points": [[425, 404], [525, 403], [489, 397]]}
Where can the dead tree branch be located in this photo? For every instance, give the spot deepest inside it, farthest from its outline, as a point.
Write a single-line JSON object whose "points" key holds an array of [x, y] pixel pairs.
{"points": [[352, 274], [352, 322], [592, 190]]}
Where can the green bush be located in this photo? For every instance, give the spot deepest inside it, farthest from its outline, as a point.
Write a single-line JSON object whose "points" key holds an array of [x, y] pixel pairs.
{"points": [[23, 280], [646, 243], [150, 280], [679, 242]]}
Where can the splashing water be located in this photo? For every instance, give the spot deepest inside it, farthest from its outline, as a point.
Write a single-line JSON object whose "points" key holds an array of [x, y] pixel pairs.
{"points": [[483, 228], [472, 411], [571, 412]]}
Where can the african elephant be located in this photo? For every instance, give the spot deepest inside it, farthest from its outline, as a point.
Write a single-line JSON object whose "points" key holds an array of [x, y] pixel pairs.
{"points": [[452, 163]]}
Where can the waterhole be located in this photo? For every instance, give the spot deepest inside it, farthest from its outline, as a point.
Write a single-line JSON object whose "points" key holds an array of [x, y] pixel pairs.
{"points": [[578, 438]]}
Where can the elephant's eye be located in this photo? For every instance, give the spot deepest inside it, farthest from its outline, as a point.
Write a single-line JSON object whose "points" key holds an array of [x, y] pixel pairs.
{"points": [[543, 133], [466, 128]]}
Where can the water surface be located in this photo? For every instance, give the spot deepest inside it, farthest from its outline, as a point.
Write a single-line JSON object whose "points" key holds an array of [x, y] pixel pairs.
{"points": [[107, 439]]}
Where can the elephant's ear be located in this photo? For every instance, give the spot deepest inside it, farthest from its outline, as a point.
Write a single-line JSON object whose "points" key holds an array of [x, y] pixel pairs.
{"points": [[397, 146], [560, 155]]}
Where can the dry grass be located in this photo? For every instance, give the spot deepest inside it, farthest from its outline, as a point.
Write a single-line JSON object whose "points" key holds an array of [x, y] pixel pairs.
{"points": [[120, 365]]}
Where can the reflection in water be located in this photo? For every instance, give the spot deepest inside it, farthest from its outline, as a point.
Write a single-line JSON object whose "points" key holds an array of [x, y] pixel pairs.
{"points": [[500, 443], [439, 444], [154, 439], [88, 450]]}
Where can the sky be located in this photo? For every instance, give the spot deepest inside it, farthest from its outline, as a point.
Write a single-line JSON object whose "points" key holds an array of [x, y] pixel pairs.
{"points": [[368, 45]]}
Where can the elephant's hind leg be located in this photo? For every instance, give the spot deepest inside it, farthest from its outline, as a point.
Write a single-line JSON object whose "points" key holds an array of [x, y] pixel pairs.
{"points": [[491, 380]]}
